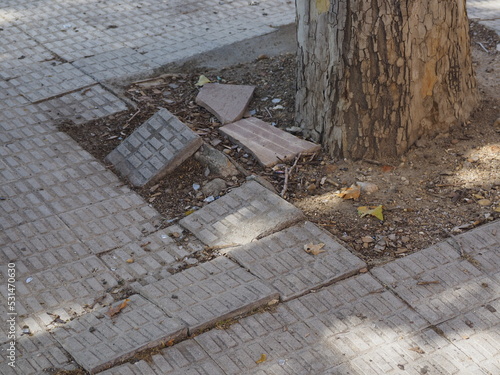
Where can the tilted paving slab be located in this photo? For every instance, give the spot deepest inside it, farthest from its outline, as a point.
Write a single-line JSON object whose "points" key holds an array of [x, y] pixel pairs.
{"points": [[438, 283], [154, 257], [35, 355], [244, 214], [185, 358], [281, 260], [64, 291], [211, 292], [155, 149], [227, 102], [98, 341], [315, 332], [268, 144], [477, 334]]}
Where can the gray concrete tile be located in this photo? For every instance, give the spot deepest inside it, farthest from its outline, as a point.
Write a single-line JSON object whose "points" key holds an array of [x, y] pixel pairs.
{"points": [[280, 259], [244, 214], [209, 293], [98, 341], [141, 163]]}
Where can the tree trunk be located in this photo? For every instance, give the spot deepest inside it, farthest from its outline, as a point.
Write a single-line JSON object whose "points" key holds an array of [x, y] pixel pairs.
{"points": [[376, 75]]}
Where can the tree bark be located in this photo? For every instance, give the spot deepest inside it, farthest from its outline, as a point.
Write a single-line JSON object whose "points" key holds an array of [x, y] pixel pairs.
{"points": [[376, 75]]}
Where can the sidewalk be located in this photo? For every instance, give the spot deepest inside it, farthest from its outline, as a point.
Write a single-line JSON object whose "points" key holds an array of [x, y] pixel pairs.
{"points": [[71, 227]]}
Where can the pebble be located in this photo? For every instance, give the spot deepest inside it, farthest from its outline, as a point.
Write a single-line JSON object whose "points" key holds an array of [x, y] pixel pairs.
{"points": [[367, 239], [484, 202], [367, 187]]}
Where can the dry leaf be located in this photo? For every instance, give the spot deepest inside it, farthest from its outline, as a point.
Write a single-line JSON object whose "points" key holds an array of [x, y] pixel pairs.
{"points": [[202, 80], [262, 359], [376, 211], [352, 192], [130, 260], [428, 282], [417, 349], [387, 168], [170, 343], [116, 309], [313, 249]]}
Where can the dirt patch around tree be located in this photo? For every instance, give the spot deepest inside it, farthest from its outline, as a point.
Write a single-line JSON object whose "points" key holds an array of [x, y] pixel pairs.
{"points": [[441, 187]]}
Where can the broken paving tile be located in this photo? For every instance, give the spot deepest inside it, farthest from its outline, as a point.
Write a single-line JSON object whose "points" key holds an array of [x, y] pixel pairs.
{"points": [[280, 259], [227, 102], [98, 341], [269, 145], [155, 149], [244, 214]]}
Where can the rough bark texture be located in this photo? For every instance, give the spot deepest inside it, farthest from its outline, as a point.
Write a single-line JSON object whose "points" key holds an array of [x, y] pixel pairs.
{"points": [[376, 75]]}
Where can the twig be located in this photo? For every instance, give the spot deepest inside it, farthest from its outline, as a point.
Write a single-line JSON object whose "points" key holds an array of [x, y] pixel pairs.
{"points": [[270, 115], [288, 172], [481, 44], [130, 119]]}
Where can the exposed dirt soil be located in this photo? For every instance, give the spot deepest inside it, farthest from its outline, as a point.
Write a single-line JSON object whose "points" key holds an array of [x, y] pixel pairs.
{"points": [[442, 187]]}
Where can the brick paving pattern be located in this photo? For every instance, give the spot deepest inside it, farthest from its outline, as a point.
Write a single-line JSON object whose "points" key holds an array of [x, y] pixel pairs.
{"points": [[438, 283], [98, 341], [281, 260], [240, 216], [70, 224], [227, 102], [268, 144], [154, 149], [207, 294]]}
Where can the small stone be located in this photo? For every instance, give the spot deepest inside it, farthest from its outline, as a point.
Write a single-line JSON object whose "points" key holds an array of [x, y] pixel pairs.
{"points": [[405, 239], [484, 202], [454, 141], [367, 187], [311, 187], [227, 151], [192, 261], [214, 187], [130, 260], [367, 239]]}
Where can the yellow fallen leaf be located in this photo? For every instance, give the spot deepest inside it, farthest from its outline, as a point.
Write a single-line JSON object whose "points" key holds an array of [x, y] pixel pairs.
{"points": [[497, 209], [371, 210], [262, 359], [313, 249], [352, 192], [202, 80]]}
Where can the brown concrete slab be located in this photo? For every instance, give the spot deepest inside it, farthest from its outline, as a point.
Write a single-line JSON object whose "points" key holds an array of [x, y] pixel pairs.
{"points": [[269, 145], [227, 102]]}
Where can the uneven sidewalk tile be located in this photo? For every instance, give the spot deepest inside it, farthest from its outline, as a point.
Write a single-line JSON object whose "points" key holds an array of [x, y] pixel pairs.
{"points": [[61, 292], [184, 358], [98, 341], [281, 260], [438, 283], [34, 355], [477, 334], [154, 257], [244, 214], [112, 223], [424, 353], [209, 293], [315, 332], [227, 102], [267, 143], [155, 149]]}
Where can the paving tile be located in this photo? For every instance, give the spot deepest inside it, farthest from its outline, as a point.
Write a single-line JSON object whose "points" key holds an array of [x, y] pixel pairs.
{"points": [[110, 224], [280, 259], [35, 355], [438, 283], [186, 357], [425, 353], [156, 257], [64, 290], [315, 332], [47, 80], [155, 149], [267, 143], [209, 293], [244, 214], [98, 341], [84, 105], [477, 334], [227, 102]]}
